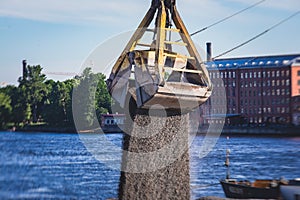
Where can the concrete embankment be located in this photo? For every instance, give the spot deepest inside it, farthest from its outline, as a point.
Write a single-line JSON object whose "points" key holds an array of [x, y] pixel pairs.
{"points": [[257, 131]]}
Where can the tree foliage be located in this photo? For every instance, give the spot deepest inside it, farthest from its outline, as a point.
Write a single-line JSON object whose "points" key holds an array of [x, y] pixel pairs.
{"points": [[34, 88], [92, 98], [5, 109], [49, 101]]}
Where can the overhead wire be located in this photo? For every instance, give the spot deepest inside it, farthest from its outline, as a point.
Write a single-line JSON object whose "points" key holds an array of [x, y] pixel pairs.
{"points": [[224, 19], [258, 35], [228, 17]]}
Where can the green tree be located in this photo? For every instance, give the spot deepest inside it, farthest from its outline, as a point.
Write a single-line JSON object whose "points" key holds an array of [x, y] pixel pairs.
{"points": [[85, 99], [52, 109], [54, 101], [102, 97], [5, 109], [57, 102], [35, 89], [70, 84], [91, 98], [21, 111]]}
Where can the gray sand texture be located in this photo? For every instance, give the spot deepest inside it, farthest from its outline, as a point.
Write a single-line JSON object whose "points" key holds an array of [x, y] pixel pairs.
{"points": [[156, 162]]}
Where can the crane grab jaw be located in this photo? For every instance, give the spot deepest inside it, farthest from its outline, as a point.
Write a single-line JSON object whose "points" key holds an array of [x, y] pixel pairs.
{"points": [[157, 77]]}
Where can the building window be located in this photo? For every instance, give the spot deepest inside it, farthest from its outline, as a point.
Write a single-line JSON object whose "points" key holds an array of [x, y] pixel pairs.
{"points": [[259, 75], [298, 73], [233, 74], [277, 73], [287, 73], [265, 110], [242, 75], [269, 73], [254, 75], [278, 110], [273, 73], [273, 83], [269, 110], [298, 82]]}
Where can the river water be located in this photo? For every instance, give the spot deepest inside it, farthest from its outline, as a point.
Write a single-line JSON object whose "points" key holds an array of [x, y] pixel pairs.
{"points": [[58, 166]]}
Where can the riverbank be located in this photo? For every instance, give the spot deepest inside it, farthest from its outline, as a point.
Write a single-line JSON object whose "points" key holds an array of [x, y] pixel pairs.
{"points": [[253, 131], [256, 131], [46, 128]]}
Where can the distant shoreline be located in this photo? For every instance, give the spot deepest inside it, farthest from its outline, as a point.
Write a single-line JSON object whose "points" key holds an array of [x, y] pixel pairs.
{"points": [[238, 131], [256, 131]]}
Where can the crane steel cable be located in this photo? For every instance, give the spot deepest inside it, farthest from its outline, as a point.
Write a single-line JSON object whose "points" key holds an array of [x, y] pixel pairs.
{"points": [[258, 35], [228, 17]]}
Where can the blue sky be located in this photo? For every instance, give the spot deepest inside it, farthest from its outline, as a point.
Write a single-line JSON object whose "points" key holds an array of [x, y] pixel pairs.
{"points": [[59, 35]]}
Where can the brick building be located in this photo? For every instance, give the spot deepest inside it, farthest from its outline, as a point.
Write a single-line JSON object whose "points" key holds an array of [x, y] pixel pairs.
{"points": [[255, 90]]}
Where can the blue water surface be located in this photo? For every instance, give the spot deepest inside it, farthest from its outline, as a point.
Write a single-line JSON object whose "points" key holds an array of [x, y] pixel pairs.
{"points": [[58, 166]]}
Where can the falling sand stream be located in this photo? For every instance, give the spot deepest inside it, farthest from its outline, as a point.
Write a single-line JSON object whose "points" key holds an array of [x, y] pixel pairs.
{"points": [[156, 162]]}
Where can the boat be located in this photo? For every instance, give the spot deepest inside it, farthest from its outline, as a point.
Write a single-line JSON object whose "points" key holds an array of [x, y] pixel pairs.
{"points": [[259, 189], [291, 191]]}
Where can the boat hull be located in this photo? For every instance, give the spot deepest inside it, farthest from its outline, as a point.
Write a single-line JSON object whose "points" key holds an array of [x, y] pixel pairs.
{"points": [[291, 191], [240, 191]]}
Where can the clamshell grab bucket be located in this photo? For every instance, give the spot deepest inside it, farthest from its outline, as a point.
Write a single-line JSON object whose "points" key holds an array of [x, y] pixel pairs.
{"points": [[157, 77]]}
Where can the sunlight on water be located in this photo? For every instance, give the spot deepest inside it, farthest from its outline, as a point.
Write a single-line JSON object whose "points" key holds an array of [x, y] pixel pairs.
{"points": [[58, 166]]}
